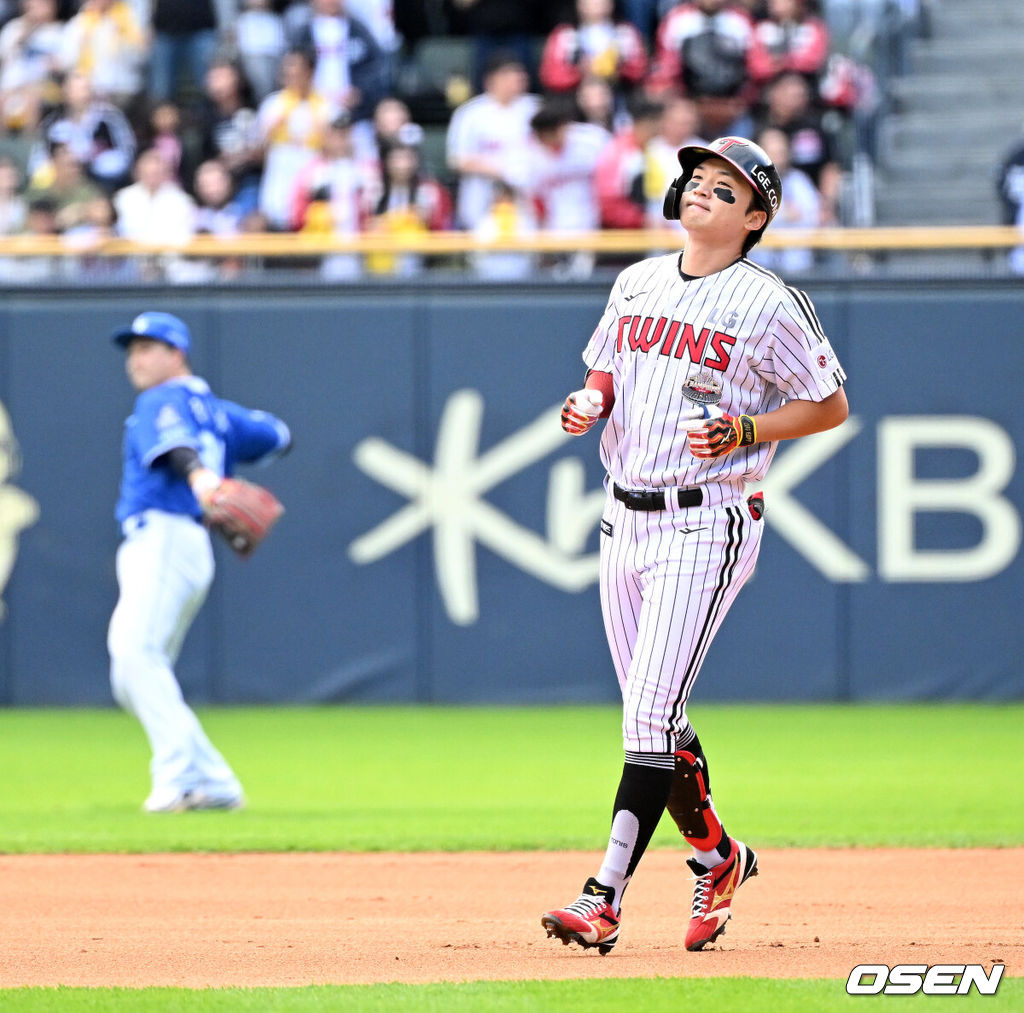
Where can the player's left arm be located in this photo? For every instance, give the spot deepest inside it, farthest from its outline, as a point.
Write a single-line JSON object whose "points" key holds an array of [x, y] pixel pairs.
{"points": [[722, 433], [796, 357], [802, 418]]}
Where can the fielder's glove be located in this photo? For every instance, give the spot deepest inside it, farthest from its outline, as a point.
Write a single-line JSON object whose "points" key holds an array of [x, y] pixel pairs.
{"points": [[712, 432], [581, 410], [242, 513]]}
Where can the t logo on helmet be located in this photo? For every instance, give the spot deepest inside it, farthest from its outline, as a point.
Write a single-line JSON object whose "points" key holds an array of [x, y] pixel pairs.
{"points": [[728, 142]]}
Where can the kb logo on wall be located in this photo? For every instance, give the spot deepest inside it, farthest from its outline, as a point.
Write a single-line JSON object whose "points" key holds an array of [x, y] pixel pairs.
{"points": [[18, 510], [447, 497]]}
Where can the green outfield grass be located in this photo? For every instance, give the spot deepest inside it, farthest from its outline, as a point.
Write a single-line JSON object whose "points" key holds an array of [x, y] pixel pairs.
{"points": [[408, 778], [360, 778], [637, 995]]}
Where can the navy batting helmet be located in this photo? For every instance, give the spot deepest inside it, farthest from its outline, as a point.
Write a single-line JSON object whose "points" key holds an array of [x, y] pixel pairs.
{"points": [[746, 156]]}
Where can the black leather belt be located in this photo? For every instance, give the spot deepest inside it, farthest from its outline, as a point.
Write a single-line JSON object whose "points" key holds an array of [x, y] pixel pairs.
{"points": [[655, 500]]}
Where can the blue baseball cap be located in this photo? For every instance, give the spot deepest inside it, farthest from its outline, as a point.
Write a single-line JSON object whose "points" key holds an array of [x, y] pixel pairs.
{"points": [[160, 326]]}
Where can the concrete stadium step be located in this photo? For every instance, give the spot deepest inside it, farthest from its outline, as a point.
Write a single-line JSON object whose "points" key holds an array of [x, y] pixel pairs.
{"points": [[904, 164], [952, 263], [929, 134], [932, 93], [955, 114], [970, 19], [966, 65], [974, 191], [912, 204], [968, 44], [965, 55]]}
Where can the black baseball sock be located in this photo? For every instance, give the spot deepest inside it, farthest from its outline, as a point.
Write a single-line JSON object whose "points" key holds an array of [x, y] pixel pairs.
{"points": [[639, 803]]}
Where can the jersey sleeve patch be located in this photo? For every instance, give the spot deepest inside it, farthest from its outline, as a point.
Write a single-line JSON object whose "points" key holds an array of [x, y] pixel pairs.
{"points": [[162, 422], [825, 359], [167, 418], [803, 364]]}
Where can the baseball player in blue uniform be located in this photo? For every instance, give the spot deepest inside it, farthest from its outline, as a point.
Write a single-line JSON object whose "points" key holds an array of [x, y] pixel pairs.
{"points": [[180, 442]]}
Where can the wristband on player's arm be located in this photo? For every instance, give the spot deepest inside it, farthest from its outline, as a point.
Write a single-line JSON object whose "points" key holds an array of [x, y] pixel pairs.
{"points": [[599, 380], [185, 463], [737, 431], [721, 435], [747, 429], [182, 461]]}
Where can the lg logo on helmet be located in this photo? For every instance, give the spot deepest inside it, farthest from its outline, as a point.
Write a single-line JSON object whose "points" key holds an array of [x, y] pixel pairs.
{"points": [[766, 185]]}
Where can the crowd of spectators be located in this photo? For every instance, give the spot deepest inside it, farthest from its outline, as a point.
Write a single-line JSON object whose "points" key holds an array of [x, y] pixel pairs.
{"points": [[159, 120]]}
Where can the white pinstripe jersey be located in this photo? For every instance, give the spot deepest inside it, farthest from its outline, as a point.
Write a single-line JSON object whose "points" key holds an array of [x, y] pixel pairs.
{"points": [[760, 338]]}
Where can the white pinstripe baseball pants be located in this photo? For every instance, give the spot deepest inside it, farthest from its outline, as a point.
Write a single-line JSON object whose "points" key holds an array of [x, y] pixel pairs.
{"points": [[668, 578]]}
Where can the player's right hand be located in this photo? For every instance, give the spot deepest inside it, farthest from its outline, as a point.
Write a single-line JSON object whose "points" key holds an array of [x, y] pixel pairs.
{"points": [[581, 410]]}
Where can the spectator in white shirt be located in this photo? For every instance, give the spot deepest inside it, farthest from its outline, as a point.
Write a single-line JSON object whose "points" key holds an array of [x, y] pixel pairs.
{"points": [[488, 137], [801, 208], [105, 42], [217, 212], [350, 66], [560, 178], [680, 124], [330, 197], [154, 209], [13, 208], [29, 59], [560, 169], [259, 35], [292, 123]]}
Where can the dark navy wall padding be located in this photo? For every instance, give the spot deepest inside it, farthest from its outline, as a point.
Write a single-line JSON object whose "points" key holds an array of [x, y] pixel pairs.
{"points": [[368, 376]]}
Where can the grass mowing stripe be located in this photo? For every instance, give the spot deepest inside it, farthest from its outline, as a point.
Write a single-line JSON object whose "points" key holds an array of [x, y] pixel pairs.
{"points": [[447, 778], [608, 995]]}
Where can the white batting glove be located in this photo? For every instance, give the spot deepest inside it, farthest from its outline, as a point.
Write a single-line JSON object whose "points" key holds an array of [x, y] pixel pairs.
{"points": [[581, 410], [716, 433], [693, 418]]}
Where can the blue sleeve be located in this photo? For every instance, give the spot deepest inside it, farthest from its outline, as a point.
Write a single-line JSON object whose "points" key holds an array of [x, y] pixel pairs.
{"points": [[253, 436], [163, 421]]}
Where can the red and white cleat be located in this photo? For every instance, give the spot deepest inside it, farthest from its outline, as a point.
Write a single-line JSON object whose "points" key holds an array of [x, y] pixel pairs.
{"points": [[589, 921], [713, 893]]}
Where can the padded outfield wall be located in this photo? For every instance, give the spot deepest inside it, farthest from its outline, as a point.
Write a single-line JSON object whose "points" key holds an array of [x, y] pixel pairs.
{"points": [[441, 531]]}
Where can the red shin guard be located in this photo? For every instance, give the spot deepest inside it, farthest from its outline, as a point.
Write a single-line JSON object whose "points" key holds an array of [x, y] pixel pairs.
{"points": [[689, 803]]}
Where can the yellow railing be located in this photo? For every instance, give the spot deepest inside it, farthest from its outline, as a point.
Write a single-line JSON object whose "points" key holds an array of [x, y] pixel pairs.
{"points": [[962, 237]]}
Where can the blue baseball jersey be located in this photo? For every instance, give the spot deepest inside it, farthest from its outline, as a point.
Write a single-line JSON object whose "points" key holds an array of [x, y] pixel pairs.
{"points": [[184, 412]]}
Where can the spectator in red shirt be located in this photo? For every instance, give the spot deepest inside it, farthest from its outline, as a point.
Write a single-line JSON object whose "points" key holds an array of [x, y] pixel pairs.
{"points": [[789, 38], [702, 49], [619, 175], [596, 46]]}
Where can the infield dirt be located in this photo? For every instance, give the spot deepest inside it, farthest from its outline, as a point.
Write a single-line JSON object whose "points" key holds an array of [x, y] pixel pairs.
{"points": [[299, 919]]}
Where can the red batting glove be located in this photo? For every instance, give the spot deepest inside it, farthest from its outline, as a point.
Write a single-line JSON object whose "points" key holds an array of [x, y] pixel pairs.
{"points": [[581, 410], [719, 435]]}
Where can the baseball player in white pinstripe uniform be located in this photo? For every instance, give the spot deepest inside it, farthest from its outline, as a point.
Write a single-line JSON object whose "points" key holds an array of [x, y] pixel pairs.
{"points": [[701, 363]]}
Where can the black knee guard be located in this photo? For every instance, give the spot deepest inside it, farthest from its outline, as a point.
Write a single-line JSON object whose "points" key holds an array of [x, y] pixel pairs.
{"points": [[689, 801]]}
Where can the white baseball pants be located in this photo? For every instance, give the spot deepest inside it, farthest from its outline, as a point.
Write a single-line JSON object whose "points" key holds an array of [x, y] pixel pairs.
{"points": [[668, 578], [164, 571]]}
